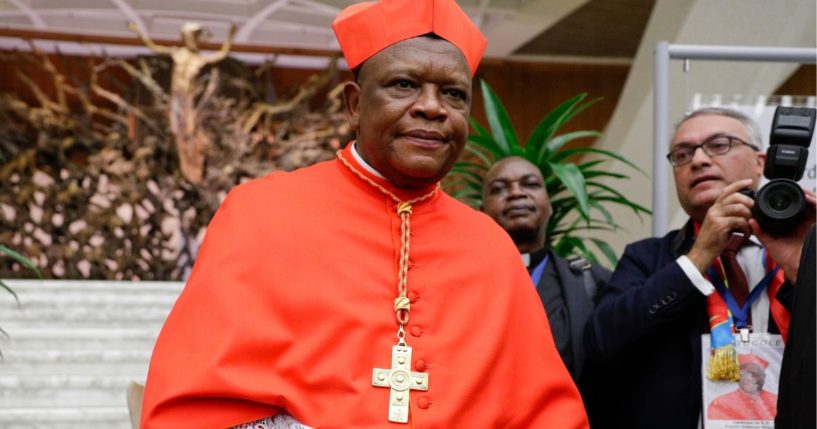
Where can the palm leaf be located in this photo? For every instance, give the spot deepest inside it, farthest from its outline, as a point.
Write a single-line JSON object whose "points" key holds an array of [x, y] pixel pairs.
{"points": [[573, 111], [568, 244], [618, 197], [573, 227], [584, 150], [487, 143], [608, 217], [9, 290], [21, 259], [499, 122], [588, 174], [637, 208], [606, 250], [469, 176], [572, 177], [557, 142], [479, 152], [586, 166], [546, 127], [469, 166], [482, 131]]}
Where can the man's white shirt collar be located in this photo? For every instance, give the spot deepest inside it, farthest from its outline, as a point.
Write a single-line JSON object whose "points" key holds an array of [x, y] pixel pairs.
{"points": [[365, 164]]}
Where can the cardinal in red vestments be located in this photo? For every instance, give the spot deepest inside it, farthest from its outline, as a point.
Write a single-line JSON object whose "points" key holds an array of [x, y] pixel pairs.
{"points": [[355, 293], [749, 401]]}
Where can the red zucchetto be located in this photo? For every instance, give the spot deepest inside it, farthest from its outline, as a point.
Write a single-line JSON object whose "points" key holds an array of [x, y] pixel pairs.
{"points": [[752, 358], [364, 29]]}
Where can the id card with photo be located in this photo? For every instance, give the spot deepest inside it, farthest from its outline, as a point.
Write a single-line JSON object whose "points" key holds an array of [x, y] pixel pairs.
{"points": [[750, 402]]}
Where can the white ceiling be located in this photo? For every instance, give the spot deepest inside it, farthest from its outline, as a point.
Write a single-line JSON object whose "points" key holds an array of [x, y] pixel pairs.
{"points": [[305, 24]]}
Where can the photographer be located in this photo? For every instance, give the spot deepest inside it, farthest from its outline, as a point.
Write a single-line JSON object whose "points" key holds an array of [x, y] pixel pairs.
{"points": [[795, 252], [647, 326], [783, 220]]}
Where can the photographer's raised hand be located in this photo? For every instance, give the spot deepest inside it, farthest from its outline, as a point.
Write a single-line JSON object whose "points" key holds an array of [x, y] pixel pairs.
{"points": [[730, 212], [786, 249]]}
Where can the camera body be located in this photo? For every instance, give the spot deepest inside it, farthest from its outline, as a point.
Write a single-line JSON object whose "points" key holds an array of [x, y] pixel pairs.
{"points": [[781, 204]]}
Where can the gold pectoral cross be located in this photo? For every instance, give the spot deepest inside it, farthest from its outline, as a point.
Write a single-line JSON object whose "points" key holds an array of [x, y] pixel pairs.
{"points": [[399, 379]]}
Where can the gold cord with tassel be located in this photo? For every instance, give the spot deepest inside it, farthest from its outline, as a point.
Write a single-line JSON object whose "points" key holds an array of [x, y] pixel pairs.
{"points": [[402, 306]]}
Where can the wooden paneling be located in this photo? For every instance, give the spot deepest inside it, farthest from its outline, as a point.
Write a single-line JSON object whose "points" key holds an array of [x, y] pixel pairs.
{"points": [[802, 82], [530, 90]]}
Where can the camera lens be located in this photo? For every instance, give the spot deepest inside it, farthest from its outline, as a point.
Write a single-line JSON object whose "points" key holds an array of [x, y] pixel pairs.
{"points": [[781, 200], [779, 204]]}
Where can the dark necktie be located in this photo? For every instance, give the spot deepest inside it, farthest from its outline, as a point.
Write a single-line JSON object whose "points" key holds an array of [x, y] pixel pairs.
{"points": [[738, 286]]}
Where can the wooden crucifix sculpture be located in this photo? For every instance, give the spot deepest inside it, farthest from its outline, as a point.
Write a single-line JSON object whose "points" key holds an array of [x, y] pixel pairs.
{"points": [[191, 141]]}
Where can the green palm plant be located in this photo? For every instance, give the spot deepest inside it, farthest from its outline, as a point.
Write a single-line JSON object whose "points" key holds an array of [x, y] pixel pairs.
{"points": [[579, 198]]}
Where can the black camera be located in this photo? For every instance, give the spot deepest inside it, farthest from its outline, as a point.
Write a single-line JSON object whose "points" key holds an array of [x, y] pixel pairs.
{"points": [[781, 204]]}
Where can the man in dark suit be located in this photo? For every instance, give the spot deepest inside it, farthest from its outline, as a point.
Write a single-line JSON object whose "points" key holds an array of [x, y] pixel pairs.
{"points": [[795, 251], [514, 195], [647, 326]]}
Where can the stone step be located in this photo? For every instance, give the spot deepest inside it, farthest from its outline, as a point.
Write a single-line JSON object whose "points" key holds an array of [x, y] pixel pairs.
{"points": [[32, 391], [73, 349], [75, 382], [115, 417], [18, 391], [26, 286], [102, 333], [90, 299], [85, 315], [26, 368], [86, 338], [40, 356]]}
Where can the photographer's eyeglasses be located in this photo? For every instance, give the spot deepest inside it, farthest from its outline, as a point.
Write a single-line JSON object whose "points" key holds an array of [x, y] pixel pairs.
{"points": [[715, 146]]}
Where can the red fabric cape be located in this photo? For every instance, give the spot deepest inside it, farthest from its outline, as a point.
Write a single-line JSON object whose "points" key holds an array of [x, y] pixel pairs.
{"points": [[739, 405], [289, 307]]}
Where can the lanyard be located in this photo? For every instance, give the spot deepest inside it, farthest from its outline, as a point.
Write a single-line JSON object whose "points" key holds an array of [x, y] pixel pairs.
{"points": [[740, 314], [536, 275]]}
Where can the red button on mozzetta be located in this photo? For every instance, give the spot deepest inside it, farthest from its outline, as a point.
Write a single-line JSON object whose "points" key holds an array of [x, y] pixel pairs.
{"points": [[416, 331], [423, 403], [412, 296], [420, 365]]}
